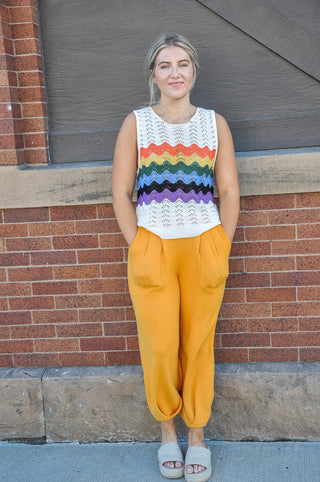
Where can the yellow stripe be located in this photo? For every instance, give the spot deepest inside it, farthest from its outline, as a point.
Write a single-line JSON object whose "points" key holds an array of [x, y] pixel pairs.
{"points": [[205, 161]]}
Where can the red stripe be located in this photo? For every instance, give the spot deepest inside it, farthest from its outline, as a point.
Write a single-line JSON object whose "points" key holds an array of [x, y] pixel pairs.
{"points": [[178, 149]]}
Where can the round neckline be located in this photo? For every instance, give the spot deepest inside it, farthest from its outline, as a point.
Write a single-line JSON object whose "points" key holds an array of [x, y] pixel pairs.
{"points": [[171, 123]]}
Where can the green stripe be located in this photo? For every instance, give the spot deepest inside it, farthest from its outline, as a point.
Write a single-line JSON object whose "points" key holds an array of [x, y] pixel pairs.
{"points": [[180, 166]]}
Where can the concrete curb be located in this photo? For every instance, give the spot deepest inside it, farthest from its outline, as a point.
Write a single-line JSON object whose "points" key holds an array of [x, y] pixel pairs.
{"points": [[257, 401]]}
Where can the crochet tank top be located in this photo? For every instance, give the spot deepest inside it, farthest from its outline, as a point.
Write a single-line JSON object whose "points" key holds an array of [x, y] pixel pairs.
{"points": [[175, 174]]}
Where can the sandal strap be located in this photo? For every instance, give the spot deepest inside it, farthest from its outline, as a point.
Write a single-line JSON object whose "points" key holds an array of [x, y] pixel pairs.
{"points": [[198, 456], [170, 452]]}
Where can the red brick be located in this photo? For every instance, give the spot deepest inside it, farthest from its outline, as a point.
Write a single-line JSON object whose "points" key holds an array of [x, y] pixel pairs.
{"points": [[239, 235], [2, 274], [75, 330], [21, 3], [232, 326], [298, 216], [15, 318], [112, 240], [26, 215], [306, 308], [234, 296], [13, 230], [23, 14], [132, 343], [282, 263], [114, 299], [4, 12], [246, 310], [28, 244], [16, 259], [309, 324], [78, 301], [308, 293], [309, 354], [31, 331], [102, 344], [298, 278], [36, 360], [35, 140], [101, 286], [236, 265], [4, 306], [102, 314], [305, 200], [253, 219], [6, 361], [33, 94], [116, 329], [295, 247], [271, 325], [268, 202], [245, 339], [308, 231], [54, 288], [93, 226], [24, 30], [248, 279], [295, 339], [262, 248], [16, 346], [105, 211], [271, 294], [77, 272], [55, 316], [75, 242], [35, 125], [81, 359], [51, 229], [63, 213], [34, 109], [308, 262], [114, 270], [56, 345], [32, 303], [8, 142], [270, 233], [100, 256], [4, 332], [27, 46], [273, 355], [124, 358], [53, 257], [30, 274], [231, 355], [15, 289]]}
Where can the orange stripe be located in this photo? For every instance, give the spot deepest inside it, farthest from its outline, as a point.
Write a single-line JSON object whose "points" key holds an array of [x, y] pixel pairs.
{"points": [[178, 149]]}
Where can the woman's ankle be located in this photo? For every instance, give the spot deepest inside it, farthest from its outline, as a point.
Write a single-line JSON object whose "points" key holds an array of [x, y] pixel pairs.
{"points": [[168, 430], [196, 437]]}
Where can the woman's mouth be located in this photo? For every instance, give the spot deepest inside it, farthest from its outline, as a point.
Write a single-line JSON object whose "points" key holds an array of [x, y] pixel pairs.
{"points": [[176, 84]]}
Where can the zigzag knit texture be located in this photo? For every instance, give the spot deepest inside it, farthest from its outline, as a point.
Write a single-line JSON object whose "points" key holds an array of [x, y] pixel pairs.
{"points": [[175, 179]]}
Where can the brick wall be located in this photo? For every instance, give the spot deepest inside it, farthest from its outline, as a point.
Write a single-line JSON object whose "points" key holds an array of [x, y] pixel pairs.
{"points": [[23, 117], [63, 291], [64, 297]]}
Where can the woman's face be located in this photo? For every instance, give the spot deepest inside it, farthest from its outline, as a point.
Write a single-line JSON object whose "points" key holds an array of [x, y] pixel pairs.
{"points": [[173, 72]]}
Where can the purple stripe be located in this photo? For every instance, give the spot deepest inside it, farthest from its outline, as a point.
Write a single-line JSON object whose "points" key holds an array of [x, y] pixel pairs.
{"points": [[173, 196]]}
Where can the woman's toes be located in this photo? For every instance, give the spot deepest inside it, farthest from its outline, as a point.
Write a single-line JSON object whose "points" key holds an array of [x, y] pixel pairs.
{"points": [[178, 465], [189, 469]]}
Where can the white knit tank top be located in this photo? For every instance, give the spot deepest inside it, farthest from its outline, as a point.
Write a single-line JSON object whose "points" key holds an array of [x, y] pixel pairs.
{"points": [[175, 174]]}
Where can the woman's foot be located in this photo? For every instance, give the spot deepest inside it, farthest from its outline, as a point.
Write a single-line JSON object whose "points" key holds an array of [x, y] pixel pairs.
{"points": [[195, 439], [168, 430]]}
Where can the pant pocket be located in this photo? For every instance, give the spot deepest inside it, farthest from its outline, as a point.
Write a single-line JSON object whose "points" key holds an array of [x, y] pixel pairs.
{"points": [[214, 257], [145, 259]]}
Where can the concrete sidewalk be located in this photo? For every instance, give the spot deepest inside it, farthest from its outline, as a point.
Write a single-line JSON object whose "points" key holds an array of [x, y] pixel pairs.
{"points": [[137, 462]]}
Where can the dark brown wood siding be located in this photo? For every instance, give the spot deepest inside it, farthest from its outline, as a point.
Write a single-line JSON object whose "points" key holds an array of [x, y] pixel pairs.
{"points": [[260, 68]]}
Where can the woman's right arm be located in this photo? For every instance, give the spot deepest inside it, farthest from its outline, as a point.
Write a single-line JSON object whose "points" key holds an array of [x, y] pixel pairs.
{"points": [[124, 177]]}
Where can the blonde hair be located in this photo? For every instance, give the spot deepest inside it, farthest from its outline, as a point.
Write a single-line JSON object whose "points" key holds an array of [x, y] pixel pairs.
{"points": [[167, 40]]}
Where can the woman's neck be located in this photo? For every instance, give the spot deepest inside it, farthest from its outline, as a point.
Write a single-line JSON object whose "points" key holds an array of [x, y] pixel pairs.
{"points": [[175, 112]]}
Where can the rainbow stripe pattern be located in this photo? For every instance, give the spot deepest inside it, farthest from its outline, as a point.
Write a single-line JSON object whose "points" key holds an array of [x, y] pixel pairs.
{"points": [[175, 182]]}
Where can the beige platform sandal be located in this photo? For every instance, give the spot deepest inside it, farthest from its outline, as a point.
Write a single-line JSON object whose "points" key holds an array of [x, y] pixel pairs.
{"points": [[170, 452]]}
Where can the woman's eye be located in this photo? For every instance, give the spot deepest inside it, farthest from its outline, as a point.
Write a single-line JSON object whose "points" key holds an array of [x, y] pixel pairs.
{"points": [[163, 67]]}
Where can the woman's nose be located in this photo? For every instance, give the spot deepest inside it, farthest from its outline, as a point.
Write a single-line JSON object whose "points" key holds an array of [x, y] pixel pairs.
{"points": [[175, 71]]}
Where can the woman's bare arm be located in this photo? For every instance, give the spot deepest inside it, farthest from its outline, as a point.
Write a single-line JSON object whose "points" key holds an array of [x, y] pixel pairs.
{"points": [[124, 177], [226, 177]]}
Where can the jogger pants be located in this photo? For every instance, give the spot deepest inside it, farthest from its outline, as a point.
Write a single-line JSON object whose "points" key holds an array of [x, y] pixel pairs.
{"points": [[176, 287]]}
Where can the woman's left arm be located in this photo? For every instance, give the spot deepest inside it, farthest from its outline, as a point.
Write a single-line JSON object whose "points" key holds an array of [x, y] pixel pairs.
{"points": [[226, 177]]}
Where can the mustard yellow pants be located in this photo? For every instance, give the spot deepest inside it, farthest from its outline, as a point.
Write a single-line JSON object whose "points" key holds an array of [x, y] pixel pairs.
{"points": [[177, 286]]}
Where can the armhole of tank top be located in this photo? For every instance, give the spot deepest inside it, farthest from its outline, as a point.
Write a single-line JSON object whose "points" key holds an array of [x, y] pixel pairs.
{"points": [[215, 130], [138, 137]]}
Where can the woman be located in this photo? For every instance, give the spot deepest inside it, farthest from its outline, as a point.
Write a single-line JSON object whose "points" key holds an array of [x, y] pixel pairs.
{"points": [[179, 245]]}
